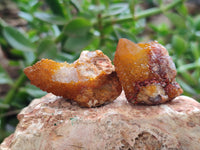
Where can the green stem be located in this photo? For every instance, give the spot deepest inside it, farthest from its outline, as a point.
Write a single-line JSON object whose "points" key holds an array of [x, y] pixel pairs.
{"points": [[143, 14], [101, 43], [10, 113], [9, 97], [14, 89]]}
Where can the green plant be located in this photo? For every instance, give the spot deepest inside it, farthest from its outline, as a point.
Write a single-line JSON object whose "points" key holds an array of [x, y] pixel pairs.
{"points": [[60, 30]]}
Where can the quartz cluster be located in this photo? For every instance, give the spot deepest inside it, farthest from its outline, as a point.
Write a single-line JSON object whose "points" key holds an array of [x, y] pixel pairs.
{"points": [[146, 72], [90, 81]]}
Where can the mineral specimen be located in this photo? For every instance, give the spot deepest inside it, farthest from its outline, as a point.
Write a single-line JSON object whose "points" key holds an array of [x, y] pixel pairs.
{"points": [[90, 81], [146, 72]]}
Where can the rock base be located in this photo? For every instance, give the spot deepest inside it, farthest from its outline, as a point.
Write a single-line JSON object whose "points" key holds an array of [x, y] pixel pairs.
{"points": [[53, 123]]}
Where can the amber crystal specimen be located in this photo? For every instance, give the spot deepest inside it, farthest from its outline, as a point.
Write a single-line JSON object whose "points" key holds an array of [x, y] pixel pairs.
{"points": [[90, 81], [146, 72]]}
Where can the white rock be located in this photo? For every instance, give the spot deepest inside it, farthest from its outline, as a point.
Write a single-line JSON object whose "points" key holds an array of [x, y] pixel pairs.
{"points": [[53, 123]]}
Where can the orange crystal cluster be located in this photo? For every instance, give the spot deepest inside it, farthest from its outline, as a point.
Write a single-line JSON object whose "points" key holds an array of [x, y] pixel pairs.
{"points": [[146, 72], [90, 81]]}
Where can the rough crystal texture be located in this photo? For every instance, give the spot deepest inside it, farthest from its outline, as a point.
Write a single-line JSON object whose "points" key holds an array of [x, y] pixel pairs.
{"points": [[90, 81], [146, 72], [52, 123]]}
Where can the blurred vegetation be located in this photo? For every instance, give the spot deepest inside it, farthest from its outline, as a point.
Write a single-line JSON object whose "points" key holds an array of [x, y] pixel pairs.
{"points": [[61, 29]]}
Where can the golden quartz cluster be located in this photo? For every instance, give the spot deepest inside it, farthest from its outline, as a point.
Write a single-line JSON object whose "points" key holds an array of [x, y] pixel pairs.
{"points": [[145, 71]]}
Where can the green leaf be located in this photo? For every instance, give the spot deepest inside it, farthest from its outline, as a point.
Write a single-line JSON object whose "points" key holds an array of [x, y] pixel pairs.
{"points": [[195, 50], [182, 9], [2, 23], [77, 27], [17, 40], [177, 20], [179, 44], [4, 77], [49, 18], [190, 22], [184, 71], [76, 44], [57, 7], [77, 4], [118, 8], [197, 22], [186, 87], [122, 33], [47, 49], [16, 52], [26, 16], [33, 91], [96, 9], [162, 29], [29, 57], [189, 66], [60, 57], [14, 63]]}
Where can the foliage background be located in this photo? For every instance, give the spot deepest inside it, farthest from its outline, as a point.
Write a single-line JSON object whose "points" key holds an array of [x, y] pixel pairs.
{"points": [[61, 29]]}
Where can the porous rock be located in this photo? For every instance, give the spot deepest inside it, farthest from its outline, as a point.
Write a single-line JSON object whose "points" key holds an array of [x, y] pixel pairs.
{"points": [[53, 123]]}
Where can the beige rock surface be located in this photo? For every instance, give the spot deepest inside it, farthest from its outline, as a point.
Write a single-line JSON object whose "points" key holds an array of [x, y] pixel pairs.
{"points": [[53, 123]]}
